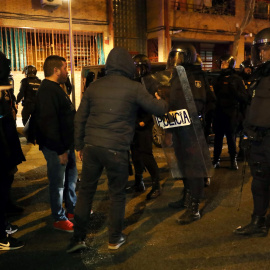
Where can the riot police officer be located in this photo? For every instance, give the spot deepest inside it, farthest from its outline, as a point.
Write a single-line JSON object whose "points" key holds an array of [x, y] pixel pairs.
{"points": [[257, 127], [141, 148], [185, 55], [27, 92], [231, 95], [246, 70]]}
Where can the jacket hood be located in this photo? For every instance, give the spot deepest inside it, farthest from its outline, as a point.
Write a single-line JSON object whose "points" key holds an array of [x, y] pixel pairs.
{"points": [[120, 62]]}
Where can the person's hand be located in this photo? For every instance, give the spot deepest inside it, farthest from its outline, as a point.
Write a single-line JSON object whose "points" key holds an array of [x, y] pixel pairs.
{"points": [[157, 96], [168, 139], [141, 124], [63, 158], [80, 155]]}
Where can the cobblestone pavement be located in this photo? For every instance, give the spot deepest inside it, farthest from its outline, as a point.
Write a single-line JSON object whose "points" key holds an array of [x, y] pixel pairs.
{"points": [[155, 240]]}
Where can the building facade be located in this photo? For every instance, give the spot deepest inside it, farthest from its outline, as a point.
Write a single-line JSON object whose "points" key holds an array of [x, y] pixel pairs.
{"points": [[210, 25]]}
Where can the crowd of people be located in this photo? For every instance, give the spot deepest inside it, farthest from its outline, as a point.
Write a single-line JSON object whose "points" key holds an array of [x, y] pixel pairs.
{"points": [[115, 116]]}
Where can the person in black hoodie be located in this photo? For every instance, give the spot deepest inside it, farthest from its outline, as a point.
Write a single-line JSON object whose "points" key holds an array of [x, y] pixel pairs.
{"points": [[11, 153], [104, 129], [54, 115]]}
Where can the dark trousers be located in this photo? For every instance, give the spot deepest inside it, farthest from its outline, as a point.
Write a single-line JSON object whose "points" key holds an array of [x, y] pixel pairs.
{"points": [[196, 187], [142, 155], [5, 185], [142, 159], [27, 110], [95, 159], [260, 170], [223, 126]]}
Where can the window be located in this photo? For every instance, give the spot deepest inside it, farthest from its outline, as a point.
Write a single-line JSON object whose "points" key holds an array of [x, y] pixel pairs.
{"points": [[207, 59], [262, 9], [217, 7], [32, 46], [130, 24]]}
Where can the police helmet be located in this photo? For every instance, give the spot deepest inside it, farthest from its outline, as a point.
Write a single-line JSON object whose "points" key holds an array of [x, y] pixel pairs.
{"points": [[30, 71], [143, 65], [229, 59], [261, 41], [4, 69], [245, 64], [183, 53], [199, 61]]}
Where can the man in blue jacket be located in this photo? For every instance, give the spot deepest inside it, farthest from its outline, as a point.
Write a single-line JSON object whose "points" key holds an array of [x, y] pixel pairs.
{"points": [[104, 129]]}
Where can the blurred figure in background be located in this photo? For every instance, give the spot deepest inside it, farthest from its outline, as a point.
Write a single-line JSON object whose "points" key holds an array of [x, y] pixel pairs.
{"points": [[28, 91]]}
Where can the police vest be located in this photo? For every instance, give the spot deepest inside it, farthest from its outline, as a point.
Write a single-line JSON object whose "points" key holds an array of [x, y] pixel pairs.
{"points": [[258, 114], [33, 84]]}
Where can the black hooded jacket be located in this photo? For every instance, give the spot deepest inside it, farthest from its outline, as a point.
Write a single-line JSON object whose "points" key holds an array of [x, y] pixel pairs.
{"points": [[107, 113]]}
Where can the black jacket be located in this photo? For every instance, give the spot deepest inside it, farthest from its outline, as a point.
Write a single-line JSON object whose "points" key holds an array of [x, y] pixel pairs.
{"points": [[258, 111], [231, 94], [28, 89], [107, 113], [10, 147], [54, 118]]}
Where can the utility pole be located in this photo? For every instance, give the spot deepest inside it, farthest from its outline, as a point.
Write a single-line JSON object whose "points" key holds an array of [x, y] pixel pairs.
{"points": [[71, 51]]}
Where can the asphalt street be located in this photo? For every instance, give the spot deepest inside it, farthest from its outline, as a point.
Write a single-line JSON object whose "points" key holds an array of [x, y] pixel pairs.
{"points": [[155, 240]]}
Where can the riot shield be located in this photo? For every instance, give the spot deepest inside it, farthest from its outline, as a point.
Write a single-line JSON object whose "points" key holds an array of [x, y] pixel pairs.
{"points": [[184, 144]]}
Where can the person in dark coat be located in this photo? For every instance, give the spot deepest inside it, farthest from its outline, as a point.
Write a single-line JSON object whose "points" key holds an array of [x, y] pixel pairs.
{"points": [[104, 129], [231, 96], [11, 154]]}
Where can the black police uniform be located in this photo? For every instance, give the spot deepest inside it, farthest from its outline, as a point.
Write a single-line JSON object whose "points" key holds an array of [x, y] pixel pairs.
{"points": [[242, 108], [142, 147], [204, 100], [258, 130], [28, 90], [231, 95], [257, 127]]}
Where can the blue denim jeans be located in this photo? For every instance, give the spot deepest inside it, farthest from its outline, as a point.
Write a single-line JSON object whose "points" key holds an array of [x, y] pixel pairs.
{"points": [[62, 180], [116, 165]]}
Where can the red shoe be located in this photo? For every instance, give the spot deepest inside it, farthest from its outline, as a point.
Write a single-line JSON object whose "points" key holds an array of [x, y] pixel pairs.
{"points": [[70, 216], [63, 225]]}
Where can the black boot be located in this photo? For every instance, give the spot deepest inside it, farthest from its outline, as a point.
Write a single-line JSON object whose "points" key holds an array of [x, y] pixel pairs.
{"points": [[154, 193], [139, 184], [234, 165], [183, 202], [216, 163], [192, 213], [257, 227]]}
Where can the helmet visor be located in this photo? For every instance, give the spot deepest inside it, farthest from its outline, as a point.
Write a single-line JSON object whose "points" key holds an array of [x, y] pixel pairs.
{"points": [[260, 53]]}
